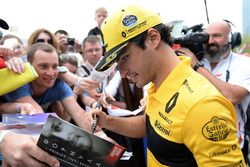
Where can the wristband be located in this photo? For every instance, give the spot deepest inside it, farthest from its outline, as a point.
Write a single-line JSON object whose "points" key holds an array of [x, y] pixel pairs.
{"points": [[78, 82], [198, 65], [62, 69], [3, 134]]}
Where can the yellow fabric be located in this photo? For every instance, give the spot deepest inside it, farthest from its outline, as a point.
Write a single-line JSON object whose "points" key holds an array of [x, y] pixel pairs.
{"points": [[126, 24], [198, 117], [10, 80], [122, 26]]}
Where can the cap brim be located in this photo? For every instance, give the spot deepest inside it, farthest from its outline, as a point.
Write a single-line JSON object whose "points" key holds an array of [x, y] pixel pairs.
{"points": [[110, 57], [3, 24]]}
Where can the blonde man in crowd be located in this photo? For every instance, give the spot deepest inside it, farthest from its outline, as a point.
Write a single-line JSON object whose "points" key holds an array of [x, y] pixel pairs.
{"points": [[100, 15]]}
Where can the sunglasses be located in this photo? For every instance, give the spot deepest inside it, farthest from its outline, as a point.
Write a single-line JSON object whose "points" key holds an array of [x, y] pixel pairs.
{"points": [[44, 41]]}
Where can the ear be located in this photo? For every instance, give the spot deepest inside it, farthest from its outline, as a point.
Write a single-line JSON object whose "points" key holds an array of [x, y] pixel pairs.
{"points": [[153, 38]]}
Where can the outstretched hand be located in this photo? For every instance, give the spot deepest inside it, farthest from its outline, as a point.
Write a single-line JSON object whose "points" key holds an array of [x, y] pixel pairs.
{"points": [[106, 99], [187, 52], [88, 84], [21, 150], [102, 119], [15, 64], [26, 108], [5, 52]]}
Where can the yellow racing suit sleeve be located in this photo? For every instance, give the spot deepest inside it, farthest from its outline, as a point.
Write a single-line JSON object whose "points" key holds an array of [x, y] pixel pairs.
{"points": [[209, 131]]}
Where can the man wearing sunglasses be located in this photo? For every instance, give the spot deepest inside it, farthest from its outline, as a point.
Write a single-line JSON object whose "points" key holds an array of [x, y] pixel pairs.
{"points": [[49, 41]]}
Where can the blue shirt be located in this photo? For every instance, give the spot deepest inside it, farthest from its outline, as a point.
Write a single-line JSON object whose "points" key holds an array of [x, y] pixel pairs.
{"points": [[59, 91]]}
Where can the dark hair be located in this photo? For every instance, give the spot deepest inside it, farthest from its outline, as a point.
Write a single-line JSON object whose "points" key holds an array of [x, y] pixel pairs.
{"points": [[68, 58], [163, 29], [62, 32], [33, 37], [90, 39], [39, 46]]}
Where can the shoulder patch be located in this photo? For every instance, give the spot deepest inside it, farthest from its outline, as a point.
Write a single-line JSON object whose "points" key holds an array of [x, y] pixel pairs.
{"points": [[216, 129]]}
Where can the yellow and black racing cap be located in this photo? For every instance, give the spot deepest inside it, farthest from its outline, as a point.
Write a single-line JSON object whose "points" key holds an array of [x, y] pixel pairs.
{"points": [[122, 26]]}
